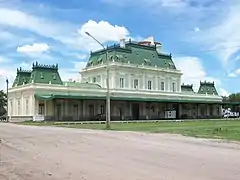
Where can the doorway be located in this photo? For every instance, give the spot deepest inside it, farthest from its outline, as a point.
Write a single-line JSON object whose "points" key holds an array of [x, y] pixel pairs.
{"points": [[176, 108], [75, 112], [58, 113], [135, 111], [91, 111]]}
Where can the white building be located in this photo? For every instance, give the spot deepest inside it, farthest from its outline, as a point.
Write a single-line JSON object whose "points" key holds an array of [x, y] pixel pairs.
{"points": [[144, 84]]}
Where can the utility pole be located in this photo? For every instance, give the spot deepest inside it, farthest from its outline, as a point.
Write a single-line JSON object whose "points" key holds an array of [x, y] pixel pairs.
{"points": [[108, 103], [7, 99]]}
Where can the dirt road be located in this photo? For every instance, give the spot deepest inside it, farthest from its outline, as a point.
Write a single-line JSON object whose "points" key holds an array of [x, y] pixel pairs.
{"points": [[37, 153]]}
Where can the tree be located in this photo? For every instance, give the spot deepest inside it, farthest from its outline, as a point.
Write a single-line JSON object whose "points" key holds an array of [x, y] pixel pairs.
{"points": [[234, 97], [3, 102]]}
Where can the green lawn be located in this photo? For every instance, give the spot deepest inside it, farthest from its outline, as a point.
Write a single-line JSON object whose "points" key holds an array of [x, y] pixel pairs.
{"points": [[229, 130]]}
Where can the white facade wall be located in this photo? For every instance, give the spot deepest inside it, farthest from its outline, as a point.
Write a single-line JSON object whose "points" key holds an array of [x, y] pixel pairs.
{"points": [[21, 103], [127, 78]]}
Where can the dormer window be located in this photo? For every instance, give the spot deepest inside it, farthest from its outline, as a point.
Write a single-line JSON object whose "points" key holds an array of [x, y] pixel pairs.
{"points": [[54, 76], [90, 63], [100, 60], [147, 61], [41, 75]]}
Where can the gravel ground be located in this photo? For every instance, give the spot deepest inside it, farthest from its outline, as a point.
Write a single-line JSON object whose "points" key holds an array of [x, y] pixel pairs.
{"points": [[50, 153]]}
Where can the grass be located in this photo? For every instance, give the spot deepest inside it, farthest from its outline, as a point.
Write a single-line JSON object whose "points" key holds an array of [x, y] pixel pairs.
{"points": [[229, 130]]}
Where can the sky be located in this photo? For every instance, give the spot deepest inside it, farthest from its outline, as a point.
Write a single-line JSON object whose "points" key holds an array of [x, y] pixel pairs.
{"points": [[202, 36]]}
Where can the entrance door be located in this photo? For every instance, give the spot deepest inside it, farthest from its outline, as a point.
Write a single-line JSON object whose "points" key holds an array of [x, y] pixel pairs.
{"points": [[120, 113], [135, 111], [176, 108], [75, 112], [58, 113], [91, 111]]}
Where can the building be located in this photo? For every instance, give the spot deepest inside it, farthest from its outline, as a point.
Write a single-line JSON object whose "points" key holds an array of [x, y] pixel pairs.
{"points": [[144, 84]]}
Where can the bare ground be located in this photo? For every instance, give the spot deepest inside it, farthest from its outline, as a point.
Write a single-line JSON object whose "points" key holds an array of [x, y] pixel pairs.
{"points": [[49, 153]]}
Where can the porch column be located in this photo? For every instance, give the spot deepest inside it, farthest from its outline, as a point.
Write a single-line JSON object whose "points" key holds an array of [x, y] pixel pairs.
{"points": [[180, 110], [207, 110], [62, 109], [197, 110], [220, 111], [83, 108], [66, 107], [45, 108]]}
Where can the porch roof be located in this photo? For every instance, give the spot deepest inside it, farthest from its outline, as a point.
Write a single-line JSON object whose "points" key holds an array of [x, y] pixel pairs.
{"points": [[139, 99]]}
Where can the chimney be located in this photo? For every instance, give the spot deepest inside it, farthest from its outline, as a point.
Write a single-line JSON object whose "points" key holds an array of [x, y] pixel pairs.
{"points": [[159, 48], [122, 43]]}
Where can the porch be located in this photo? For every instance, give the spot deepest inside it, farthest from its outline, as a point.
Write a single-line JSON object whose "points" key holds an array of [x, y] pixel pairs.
{"points": [[85, 110]]}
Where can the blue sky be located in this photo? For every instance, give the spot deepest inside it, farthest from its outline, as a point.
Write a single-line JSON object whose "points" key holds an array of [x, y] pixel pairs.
{"points": [[203, 36]]}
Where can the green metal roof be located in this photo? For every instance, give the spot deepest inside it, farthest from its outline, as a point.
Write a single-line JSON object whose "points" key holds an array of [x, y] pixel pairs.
{"points": [[207, 88], [87, 97], [133, 53], [22, 77], [44, 74], [187, 88]]}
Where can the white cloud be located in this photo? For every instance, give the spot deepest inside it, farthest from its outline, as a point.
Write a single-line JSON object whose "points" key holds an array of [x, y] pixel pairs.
{"points": [[232, 75], [196, 29], [235, 73], [223, 36], [72, 73], [80, 65], [172, 3], [193, 71], [103, 31], [67, 33], [34, 48], [4, 60], [152, 3], [223, 92], [40, 26], [7, 72]]}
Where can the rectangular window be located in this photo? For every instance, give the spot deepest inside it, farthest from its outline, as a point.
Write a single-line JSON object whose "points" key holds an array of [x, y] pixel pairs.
{"points": [[149, 85], [41, 109], [173, 87], [121, 82], [135, 83], [19, 107], [11, 108], [26, 107], [94, 79], [98, 78], [162, 86]]}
